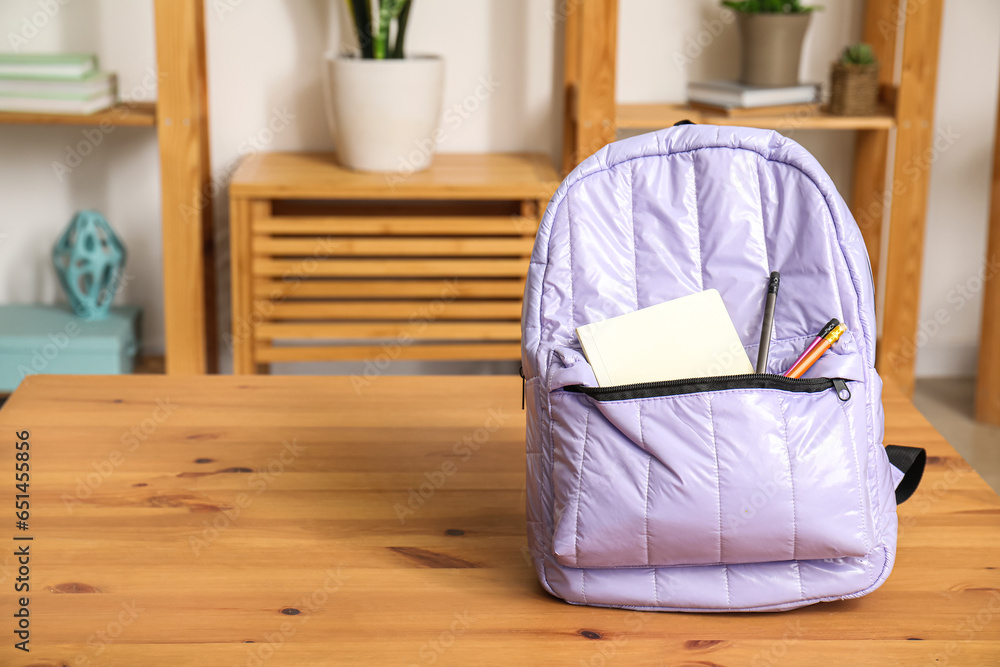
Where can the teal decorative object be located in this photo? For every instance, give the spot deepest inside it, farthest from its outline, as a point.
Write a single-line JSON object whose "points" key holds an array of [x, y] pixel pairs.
{"points": [[89, 259]]}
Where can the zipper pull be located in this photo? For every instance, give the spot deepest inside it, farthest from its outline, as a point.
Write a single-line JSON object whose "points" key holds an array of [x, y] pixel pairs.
{"points": [[524, 385], [843, 393]]}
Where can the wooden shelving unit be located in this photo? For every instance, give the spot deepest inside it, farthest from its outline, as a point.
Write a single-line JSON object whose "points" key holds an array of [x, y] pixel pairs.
{"points": [[593, 119], [124, 114], [181, 119]]}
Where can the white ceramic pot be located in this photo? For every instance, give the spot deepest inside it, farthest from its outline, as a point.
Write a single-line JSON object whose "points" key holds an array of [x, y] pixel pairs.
{"points": [[384, 114]]}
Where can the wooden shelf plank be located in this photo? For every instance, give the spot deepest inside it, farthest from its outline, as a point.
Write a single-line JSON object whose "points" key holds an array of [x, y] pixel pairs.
{"points": [[395, 268], [327, 246], [653, 116], [458, 331], [277, 289], [125, 114], [416, 352], [469, 176], [391, 310], [397, 226]]}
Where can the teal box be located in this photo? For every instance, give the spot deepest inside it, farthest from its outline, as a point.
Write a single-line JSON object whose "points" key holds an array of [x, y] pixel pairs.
{"points": [[54, 341]]}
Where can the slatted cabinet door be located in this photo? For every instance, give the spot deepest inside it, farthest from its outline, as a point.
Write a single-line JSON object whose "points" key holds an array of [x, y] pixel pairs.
{"points": [[342, 279]]}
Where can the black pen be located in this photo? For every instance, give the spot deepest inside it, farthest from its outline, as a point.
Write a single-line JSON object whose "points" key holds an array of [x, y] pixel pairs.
{"points": [[765, 332]]}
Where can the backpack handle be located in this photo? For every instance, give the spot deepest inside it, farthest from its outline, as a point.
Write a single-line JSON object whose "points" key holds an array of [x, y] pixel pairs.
{"points": [[910, 461]]}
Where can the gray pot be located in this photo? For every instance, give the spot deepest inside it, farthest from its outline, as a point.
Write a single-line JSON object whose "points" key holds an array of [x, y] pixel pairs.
{"points": [[771, 47]]}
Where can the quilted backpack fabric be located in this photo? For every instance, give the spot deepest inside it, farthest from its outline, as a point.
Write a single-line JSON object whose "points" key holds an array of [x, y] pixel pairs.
{"points": [[746, 493]]}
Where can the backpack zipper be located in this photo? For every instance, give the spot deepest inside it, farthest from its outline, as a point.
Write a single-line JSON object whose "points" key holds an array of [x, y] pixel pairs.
{"points": [[720, 383]]}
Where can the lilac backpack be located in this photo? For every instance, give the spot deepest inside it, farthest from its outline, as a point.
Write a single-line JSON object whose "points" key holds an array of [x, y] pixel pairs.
{"points": [[738, 493]]}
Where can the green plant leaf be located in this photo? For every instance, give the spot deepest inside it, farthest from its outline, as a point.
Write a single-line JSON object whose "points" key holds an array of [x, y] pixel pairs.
{"points": [[404, 15], [770, 6], [361, 14], [858, 54], [388, 12], [380, 36]]}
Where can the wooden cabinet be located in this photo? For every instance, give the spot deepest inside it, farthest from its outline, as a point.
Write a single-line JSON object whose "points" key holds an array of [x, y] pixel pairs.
{"points": [[330, 264]]}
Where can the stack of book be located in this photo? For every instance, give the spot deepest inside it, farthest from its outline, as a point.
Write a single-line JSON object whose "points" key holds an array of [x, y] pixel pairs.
{"points": [[55, 83], [737, 99]]}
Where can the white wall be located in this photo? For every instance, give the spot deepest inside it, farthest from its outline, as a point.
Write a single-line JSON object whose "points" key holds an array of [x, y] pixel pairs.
{"points": [[264, 60], [958, 208]]}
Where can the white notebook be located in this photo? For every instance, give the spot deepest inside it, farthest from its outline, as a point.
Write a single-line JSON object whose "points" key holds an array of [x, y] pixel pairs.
{"points": [[689, 337]]}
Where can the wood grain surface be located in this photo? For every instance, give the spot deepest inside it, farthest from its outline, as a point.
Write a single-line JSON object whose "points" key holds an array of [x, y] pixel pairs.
{"points": [[650, 116], [123, 114], [917, 146], [462, 229], [988, 375], [380, 521], [187, 192], [466, 176]]}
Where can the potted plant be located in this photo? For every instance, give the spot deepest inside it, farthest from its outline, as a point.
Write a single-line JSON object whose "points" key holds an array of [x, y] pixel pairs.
{"points": [[383, 105], [854, 82], [772, 33]]}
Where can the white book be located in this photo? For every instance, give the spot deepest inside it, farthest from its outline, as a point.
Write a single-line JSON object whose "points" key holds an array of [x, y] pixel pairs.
{"points": [[47, 65], [733, 94], [92, 85], [689, 337], [48, 105]]}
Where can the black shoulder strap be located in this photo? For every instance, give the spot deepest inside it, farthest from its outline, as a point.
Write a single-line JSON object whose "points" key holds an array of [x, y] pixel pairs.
{"points": [[911, 460]]}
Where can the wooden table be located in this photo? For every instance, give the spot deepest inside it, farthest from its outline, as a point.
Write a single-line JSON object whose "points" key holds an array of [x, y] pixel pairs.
{"points": [[177, 519], [330, 264]]}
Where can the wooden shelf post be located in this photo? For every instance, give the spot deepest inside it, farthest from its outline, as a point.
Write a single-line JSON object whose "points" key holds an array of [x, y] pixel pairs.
{"points": [[589, 79], [911, 182], [988, 380], [870, 196], [182, 125]]}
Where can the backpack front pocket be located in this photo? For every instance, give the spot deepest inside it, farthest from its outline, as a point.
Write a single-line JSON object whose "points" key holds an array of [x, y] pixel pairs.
{"points": [[742, 469]]}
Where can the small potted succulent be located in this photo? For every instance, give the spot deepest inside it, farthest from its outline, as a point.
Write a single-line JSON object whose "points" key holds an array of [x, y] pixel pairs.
{"points": [[854, 82], [383, 104], [772, 32]]}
